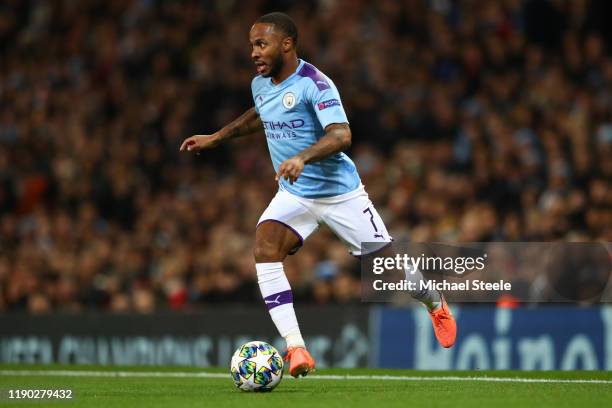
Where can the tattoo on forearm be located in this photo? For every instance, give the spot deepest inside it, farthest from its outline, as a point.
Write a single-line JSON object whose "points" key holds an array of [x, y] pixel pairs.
{"points": [[334, 141], [243, 125], [233, 132]]}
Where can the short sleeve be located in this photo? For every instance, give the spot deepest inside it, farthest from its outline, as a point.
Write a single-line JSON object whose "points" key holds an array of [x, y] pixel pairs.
{"points": [[325, 100]]}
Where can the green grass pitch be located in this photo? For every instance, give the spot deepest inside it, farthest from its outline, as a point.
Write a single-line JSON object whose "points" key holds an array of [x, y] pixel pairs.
{"points": [[185, 387]]}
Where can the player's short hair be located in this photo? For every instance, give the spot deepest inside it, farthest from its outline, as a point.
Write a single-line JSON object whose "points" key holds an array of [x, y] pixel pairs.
{"points": [[281, 21]]}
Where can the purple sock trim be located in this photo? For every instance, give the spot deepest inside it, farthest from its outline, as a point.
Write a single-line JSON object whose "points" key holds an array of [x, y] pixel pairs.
{"points": [[277, 299]]}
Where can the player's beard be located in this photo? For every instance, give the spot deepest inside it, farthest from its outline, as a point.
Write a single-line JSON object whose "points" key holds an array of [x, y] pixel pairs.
{"points": [[275, 66]]}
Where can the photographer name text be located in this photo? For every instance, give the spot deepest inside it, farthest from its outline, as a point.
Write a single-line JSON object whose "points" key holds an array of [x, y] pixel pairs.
{"points": [[466, 285]]}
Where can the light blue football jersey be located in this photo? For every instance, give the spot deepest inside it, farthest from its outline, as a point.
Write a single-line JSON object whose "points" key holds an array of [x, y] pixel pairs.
{"points": [[294, 114]]}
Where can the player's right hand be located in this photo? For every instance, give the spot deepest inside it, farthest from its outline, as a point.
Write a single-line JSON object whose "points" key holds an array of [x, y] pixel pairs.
{"points": [[199, 142]]}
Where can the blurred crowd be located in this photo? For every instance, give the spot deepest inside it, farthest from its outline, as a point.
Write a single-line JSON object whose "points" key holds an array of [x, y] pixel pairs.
{"points": [[472, 121]]}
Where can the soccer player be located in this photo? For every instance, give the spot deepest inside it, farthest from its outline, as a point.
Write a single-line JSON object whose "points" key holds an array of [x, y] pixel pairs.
{"points": [[300, 111]]}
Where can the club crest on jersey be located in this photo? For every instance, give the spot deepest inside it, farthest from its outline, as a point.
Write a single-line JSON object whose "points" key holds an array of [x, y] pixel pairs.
{"points": [[289, 100]]}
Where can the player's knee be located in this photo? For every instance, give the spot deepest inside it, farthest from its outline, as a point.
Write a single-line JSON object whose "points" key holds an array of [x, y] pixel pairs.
{"points": [[267, 252]]}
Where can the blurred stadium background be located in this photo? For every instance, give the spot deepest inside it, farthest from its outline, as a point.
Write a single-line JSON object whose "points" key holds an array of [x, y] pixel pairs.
{"points": [[472, 121]]}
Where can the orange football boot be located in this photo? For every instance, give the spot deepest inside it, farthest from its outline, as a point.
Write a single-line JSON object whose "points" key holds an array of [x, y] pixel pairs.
{"points": [[444, 324], [300, 361]]}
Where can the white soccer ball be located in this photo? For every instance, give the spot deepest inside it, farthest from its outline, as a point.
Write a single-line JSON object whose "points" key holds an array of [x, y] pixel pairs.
{"points": [[256, 366]]}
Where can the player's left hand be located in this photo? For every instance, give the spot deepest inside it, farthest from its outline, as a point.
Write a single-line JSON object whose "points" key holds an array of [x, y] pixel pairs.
{"points": [[290, 169]]}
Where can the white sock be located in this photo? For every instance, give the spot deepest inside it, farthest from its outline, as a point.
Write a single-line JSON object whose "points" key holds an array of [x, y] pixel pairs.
{"points": [[430, 298], [277, 294]]}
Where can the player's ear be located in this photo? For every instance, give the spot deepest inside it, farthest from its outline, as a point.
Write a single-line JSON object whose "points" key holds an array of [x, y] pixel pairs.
{"points": [[288, 44]]}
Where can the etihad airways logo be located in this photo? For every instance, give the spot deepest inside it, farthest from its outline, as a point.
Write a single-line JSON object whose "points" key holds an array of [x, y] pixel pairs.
{"points": [[278, 125]]}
